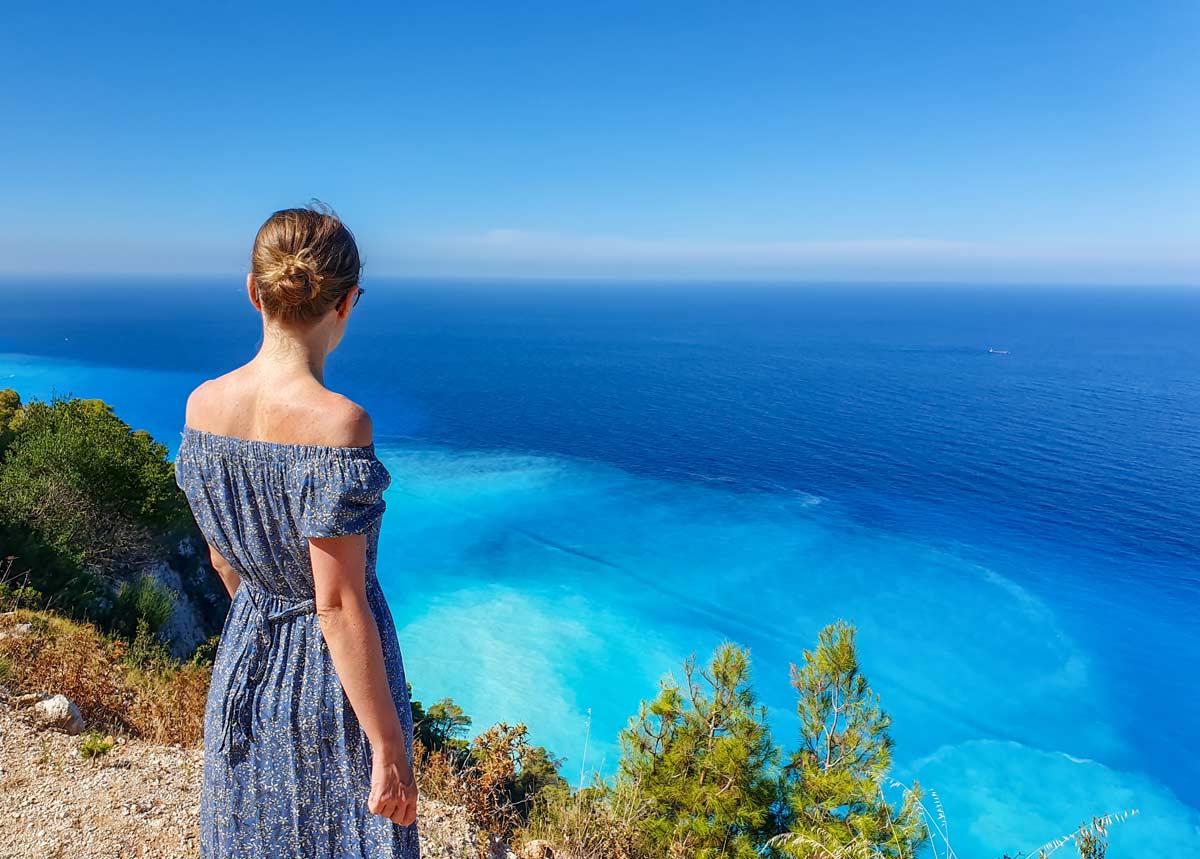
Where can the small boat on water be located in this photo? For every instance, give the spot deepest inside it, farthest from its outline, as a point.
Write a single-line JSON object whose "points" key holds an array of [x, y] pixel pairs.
{"points": [[992, 350]]}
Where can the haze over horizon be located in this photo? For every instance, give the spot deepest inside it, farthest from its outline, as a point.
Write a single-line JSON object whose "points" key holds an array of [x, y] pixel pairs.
{"points": [[939, 142]]}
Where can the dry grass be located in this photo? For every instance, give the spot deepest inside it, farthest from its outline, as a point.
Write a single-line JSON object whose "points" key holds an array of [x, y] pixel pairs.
{"points": [[601, 820], [1090, 839], [436, 775], [162, 701]]}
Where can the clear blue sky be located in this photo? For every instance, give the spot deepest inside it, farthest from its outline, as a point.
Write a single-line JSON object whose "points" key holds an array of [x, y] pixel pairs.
{"points": [[1033, 141]]}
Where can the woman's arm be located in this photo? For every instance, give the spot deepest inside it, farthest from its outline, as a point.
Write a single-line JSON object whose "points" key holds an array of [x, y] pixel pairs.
{"points": [[339, 574], [229, 576]]}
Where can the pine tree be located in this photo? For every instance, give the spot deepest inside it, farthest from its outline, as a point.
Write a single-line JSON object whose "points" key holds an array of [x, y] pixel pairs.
{"points": [[442, 726], [834, 782], [702, 756]]}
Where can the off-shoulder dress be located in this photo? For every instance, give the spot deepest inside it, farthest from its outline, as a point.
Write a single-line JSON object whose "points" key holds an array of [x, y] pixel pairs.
{"points": [[286, 763]]}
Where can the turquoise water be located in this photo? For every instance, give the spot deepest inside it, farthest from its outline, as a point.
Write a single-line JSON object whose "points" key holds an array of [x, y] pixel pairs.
{"points": [[591, 484]]}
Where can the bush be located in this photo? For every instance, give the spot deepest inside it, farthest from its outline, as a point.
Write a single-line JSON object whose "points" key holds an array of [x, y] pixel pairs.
{"points": [[84, 499], [142, 605], [168, 703], [436, 774], [596, 821], [79, 444], [95, 745], [15, 591], [495, 777], [206, 653], [146, 651]]}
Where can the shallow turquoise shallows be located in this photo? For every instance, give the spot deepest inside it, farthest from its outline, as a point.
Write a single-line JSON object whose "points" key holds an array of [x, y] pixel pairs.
{"points": [[286, 763]]}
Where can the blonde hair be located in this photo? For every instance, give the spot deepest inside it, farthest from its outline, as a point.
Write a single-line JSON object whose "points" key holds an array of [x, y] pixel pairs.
{"points": [[304, 262]]}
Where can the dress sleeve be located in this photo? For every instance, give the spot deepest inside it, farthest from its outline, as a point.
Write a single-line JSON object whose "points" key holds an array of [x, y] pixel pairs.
{"points": [[341, 494]]}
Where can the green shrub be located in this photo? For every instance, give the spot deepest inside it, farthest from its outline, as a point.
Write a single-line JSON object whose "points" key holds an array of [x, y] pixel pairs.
{"points": [[82, 445], [15, 596], [138, 602], [84, 499], [206, 653], [10, 407], [95, 745], [146, 651]]}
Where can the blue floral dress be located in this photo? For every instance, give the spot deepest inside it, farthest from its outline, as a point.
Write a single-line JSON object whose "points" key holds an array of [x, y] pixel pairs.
{"points": [[287, 766]]}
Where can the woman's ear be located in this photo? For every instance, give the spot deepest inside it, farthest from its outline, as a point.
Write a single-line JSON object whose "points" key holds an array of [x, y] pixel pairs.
{"points": [[252, 289], [343, 306]]}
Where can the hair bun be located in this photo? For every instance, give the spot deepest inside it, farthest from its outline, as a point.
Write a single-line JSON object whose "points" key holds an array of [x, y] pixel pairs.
{"points": [[304, 262], [293, 279]]}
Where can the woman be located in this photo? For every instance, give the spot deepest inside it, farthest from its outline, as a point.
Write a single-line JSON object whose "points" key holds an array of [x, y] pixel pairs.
{"points": [[307, 732]]}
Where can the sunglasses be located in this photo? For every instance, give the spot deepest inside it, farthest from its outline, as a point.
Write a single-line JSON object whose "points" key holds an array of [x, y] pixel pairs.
{"points": [[357, 296]]}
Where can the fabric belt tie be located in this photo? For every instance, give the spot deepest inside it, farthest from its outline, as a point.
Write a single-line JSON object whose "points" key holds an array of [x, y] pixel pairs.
{"points": [[267, 613]]}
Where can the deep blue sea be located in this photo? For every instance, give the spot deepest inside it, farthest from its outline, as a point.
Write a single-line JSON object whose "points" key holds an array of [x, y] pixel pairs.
{"points": [[592, 481]]}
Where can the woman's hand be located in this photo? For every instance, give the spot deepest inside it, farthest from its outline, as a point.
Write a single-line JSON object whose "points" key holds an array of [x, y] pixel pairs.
{"points": [[393, 788]]}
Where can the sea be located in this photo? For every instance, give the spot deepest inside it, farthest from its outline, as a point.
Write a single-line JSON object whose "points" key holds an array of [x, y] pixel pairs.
{"points": [[998, 486]]}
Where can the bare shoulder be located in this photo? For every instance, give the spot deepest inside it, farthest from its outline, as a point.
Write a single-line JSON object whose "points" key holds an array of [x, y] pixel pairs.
{"points": [[297, 411], [202, 402], [344, 423]]}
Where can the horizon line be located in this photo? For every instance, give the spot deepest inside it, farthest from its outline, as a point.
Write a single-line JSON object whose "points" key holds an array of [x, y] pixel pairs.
{"points": [[680, 280]]}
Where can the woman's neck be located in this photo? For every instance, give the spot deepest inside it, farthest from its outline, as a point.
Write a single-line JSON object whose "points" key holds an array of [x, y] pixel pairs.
{"points": [[286, 353]]}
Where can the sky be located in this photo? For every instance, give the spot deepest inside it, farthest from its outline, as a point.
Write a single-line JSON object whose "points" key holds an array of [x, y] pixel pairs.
{"points": [[1024, 141]]}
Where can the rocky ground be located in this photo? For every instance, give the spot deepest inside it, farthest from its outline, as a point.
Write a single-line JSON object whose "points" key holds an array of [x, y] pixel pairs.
{"points": [[138, 799]]}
